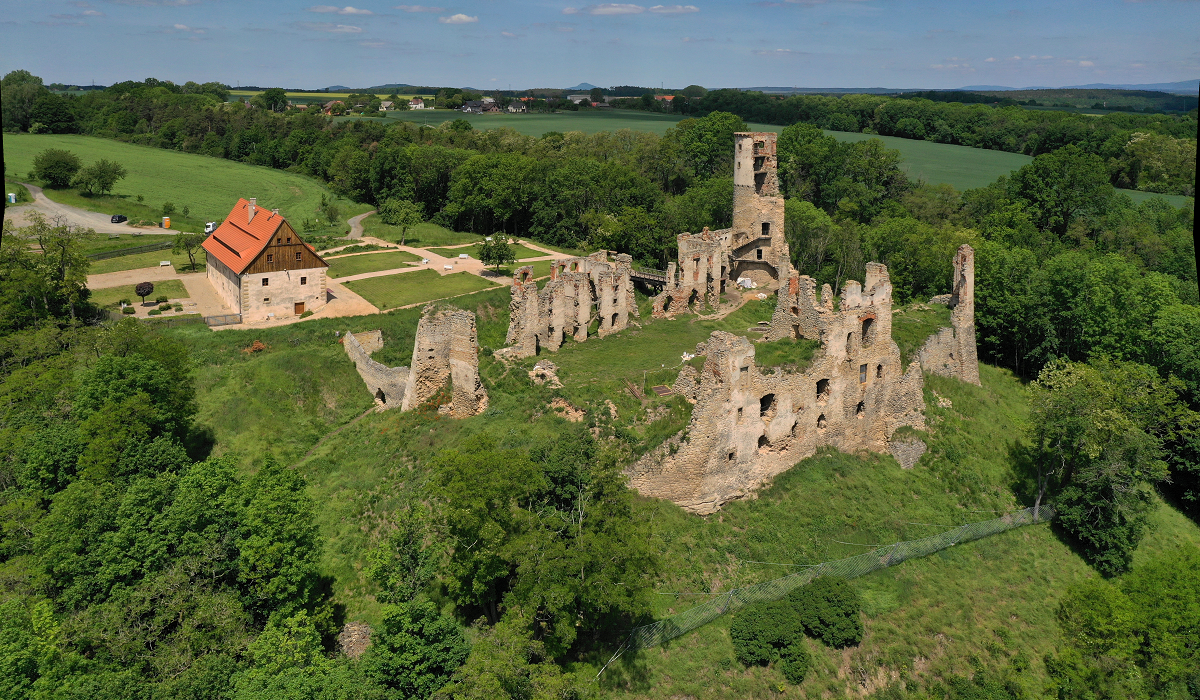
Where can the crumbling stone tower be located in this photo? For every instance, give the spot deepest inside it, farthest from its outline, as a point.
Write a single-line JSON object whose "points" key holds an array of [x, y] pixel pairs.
{"points": [[447, 348], [952, 352], [579, 290]]}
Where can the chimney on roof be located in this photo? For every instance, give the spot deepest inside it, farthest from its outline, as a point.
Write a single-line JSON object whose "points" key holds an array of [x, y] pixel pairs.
{"points": [[250, 209], [275, 212]]}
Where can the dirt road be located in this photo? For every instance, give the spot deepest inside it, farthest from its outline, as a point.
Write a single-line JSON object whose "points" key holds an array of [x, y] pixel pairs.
{"points": [[52, 210]]}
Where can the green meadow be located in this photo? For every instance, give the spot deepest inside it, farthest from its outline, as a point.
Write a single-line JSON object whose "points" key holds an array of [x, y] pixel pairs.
{"points": [[369, 262], [209, 187], [403, 289]]}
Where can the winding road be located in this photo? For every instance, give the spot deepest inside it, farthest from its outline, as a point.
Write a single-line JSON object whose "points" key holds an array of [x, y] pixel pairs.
{"points": [[52, 210]]}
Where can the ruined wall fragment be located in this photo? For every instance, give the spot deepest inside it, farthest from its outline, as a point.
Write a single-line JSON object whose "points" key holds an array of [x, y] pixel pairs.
{"points": [[446, 349], [386, 384], [951, 352]]}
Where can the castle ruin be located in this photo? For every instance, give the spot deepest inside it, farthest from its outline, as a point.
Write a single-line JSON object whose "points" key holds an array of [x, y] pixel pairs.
{"points": [[750, 424], [580, 290], [753, 250], [446, 350]]}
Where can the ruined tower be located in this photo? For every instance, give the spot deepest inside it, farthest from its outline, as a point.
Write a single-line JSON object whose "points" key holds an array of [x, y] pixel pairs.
{"points": [[447, 348], [951, 352], [757, 249]]}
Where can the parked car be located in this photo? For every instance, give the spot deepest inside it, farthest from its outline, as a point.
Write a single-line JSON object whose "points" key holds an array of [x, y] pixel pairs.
{"points": [[119, 218], [210, 227]]}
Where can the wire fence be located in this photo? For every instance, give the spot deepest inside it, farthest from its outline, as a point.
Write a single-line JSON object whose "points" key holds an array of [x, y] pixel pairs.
{"points": [[880, 558], [161, 245]]}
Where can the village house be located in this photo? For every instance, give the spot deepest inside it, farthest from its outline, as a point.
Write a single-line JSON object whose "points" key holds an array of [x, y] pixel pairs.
{"points": [[260, 267], [416, 103], [386, 105], [328, 106], [517, 107]]}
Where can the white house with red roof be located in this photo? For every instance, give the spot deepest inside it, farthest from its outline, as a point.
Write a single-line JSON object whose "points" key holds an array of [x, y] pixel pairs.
{"points": [[261, 267]]}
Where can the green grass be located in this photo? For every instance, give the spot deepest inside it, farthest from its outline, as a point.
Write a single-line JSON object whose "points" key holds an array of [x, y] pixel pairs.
{"points": [[912, 325], [453, 252], [790, 354], [209, 186], [372, 262], [23, 196], [422, 235], [106, 243], [111, 296], [522, 252], [151, 259], [391, 291]]}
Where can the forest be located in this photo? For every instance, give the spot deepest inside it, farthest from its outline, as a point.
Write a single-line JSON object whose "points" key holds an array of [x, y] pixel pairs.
{"points": [[141, 558]]}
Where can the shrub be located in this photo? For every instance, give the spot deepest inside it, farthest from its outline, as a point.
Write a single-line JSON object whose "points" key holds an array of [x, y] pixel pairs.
{"points": [[794, 662], [55, 167], [178, 307], [762, 631], [160, 299], [128, 310], [164, 307], [154, 312], [306, 314], [125, 302], [830, 610]]}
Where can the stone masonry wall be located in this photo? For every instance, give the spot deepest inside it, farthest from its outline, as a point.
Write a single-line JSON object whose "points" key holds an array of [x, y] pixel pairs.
{"points": [[951, 352], [446, 349], [579, 290], [386, 384], [749, 425]]}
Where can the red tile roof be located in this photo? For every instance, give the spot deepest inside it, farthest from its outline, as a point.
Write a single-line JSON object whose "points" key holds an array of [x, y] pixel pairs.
{"points": [[239, 239]]}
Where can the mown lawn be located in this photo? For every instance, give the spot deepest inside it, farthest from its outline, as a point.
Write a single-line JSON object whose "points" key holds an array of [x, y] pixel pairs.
{"points": [[139, 260], [111, 296], [454, 252], [106, 243], [391, 291], [422, 235], [369, 262], [208, 186]]}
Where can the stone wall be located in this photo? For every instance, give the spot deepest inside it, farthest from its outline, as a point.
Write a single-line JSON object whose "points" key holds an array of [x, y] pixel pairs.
{"points": [[749, 425], [226, 284], [701, 274], [951, 352], [386, 384], [579, 291], [446, 349]]}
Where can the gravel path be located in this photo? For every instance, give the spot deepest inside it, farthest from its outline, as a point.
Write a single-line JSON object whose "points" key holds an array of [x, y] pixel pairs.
{"points": [[52, 210], [356, 227]]}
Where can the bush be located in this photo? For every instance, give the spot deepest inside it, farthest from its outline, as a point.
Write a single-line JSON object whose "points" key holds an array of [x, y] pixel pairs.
{"points": [[128, 310], [164, 307], [830, 610], [160, 300], [55, 167], [178, 307], [125, 302], [795, 661], [154, 312], [306, 314], [762, 631]]}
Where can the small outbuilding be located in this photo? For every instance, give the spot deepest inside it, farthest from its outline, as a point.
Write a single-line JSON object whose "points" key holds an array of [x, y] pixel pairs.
{"points": [[260, 266]]}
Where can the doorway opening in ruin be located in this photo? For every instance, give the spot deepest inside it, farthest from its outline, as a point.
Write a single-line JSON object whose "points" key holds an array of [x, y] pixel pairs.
{"points": [[821, 422], [380, 396], [667, 303], [796, 331], [822, 390], [693, 297], [849, 345], [614, 321], [879, 371], [867, 335], [766, 407], [763, 442], [858, 410], [760, 179]]}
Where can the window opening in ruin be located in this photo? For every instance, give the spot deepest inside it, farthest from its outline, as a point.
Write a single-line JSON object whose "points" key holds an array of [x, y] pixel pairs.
{"points": [[667, 303], [795, 310], [858, 410], [614, 319], [732, 456], [821, 422], [879, 371], [264, 282], [766, 228], [745, 369], [303, 280], [758, 253], [822, 389], [862, 374], [849, 344], [867, 335], [739, 417], [766, 406], [796, 331], [763, 441], [379, 396], [270, 258], [760, 179]]}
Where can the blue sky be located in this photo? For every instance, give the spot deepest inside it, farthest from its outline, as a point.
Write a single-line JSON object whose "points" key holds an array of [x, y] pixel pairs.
{"points": [[557, 43]]}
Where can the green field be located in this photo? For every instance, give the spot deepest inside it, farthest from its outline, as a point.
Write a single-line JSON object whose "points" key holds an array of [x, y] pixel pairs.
{"points": [[524, 253], [587, 121], [369, 262], [391, 291], [134, 262], [454, 252], [421, 236], [111, 296], [208, 186]]}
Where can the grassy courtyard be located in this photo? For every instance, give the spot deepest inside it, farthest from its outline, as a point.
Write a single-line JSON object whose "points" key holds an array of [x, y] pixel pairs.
{"points": [[369, 262], [402, 289], [112, 296], [137, 261]]}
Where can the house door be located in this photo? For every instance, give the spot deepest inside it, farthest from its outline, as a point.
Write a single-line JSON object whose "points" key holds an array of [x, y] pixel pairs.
{"points": [[299, 308]]}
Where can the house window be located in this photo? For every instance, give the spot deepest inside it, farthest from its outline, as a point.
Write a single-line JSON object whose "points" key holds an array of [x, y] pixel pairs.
{"points": [[297, 255], [303, 280], [265, 281], [758, 252], [289, 240], [270, 258]]}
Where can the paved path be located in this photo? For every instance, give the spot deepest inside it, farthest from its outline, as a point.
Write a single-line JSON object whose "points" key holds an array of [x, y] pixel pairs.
{"points": [[356, 227], [52, 210]]}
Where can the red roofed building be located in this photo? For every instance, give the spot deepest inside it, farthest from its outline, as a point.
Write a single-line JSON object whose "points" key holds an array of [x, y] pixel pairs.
{"points": [[259, 266]]}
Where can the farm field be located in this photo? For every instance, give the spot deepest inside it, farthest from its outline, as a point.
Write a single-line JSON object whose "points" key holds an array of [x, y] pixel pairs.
{"points": [[111, 296], [589, 122], [369, 262], [208, 186], [402, 289], [323, 97]]}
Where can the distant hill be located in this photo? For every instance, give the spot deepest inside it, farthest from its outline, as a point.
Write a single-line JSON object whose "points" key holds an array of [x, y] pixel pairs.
{"points": [[389, 86], [583, 86], [1183, 87], [337, 88]]}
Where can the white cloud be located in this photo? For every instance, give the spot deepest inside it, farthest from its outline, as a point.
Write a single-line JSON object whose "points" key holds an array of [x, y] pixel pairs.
{"points": [[989, 60], [674, 9], [458, 19], [606, 8], [1086, 64], [339, 10], [419, 8], [508, 35], [189, 30], [329, 27], [1016, 58], [779, 52], [693, 40]]}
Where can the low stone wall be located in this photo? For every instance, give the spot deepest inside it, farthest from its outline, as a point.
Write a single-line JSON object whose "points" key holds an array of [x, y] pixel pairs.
{"points": [[386, 384]]}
